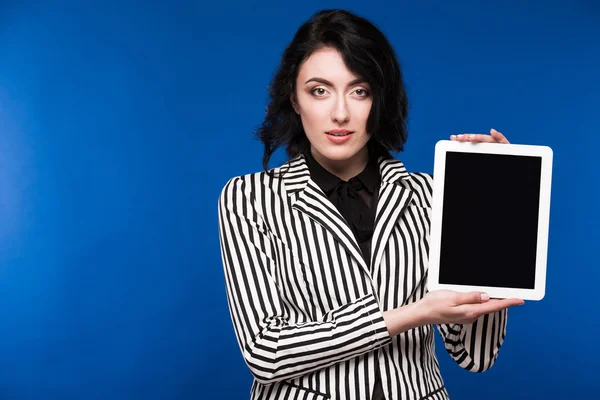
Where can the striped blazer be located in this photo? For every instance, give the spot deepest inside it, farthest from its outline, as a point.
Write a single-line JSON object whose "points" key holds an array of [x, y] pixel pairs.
{"points": [[307, 308]]}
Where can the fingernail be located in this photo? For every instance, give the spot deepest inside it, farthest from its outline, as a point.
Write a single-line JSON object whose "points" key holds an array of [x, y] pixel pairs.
{"points": [[485, 297], [452, 136], [471, 136]]}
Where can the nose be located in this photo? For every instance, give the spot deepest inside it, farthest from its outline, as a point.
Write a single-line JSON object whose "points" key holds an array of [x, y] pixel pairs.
{"points": [[340, 113]]}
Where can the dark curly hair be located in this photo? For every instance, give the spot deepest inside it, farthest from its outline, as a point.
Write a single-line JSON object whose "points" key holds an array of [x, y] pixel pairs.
{"points": [[368, 54]]}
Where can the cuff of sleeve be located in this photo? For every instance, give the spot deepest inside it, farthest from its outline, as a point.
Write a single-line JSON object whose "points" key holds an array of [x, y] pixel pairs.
{"points": [[381, 335]]}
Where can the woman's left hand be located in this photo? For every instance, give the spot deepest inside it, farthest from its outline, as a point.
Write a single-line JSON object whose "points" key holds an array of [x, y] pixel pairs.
{"points": [[493, 137]]}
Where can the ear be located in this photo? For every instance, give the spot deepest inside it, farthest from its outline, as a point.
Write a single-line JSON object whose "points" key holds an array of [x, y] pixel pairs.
{"points": [[294, 103]]}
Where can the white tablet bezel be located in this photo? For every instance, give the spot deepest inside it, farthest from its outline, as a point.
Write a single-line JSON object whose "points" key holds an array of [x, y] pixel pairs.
{"points": [[546, 154]]}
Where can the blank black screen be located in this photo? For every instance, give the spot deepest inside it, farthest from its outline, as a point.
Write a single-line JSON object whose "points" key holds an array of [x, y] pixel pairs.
{"points": [[490, 220]]}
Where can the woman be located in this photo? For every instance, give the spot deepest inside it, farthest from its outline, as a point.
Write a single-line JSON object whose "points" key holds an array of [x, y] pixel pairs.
{"points": [[325, 257]]}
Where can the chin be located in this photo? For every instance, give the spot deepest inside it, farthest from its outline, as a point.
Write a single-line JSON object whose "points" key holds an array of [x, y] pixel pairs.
{"points": [[338, 153]]}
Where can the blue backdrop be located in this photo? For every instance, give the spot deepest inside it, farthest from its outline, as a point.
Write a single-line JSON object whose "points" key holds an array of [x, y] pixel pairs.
{"points": [[120, 123]]}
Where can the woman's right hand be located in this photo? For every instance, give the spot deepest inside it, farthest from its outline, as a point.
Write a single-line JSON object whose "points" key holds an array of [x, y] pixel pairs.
{"points": [[449, 307], [444, 307]]}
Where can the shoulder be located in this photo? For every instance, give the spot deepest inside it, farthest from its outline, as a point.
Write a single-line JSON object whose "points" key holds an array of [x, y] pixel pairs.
{"points": [[255, 185], [421, 185], [243, 186]]}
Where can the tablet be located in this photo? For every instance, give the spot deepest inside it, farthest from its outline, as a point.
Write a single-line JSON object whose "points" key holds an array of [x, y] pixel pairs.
{"points": [[490, 217]]}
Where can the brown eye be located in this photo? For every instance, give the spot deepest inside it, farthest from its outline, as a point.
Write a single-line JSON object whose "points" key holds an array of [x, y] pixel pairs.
{"points": [[362, 92], [319, 92]]}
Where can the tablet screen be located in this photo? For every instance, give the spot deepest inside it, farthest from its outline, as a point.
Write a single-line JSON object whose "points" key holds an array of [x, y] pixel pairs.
{"points": [[490, 220]]}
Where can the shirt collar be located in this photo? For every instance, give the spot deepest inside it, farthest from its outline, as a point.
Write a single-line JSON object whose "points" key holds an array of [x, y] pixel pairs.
{"points": [[369, 176]]}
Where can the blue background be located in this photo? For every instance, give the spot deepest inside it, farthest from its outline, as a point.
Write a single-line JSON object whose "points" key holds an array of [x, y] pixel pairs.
{"points": [[120, 123]]}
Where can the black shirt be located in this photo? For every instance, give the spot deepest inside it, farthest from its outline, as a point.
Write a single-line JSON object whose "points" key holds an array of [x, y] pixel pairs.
{"points": [[356, 200]]}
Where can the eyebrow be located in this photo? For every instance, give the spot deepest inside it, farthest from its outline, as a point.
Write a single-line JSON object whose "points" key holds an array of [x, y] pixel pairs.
{"points": [[326, 82]]}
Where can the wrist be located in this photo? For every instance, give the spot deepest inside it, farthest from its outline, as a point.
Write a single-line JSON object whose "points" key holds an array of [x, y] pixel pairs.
{"points": [[404, 318], [422, 313]]}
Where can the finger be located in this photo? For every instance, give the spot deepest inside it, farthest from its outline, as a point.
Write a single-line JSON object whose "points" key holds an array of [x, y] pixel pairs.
{"points": [[479, 138], [474, 311], [509, 302], [462, 137], [498, 137], [472, 298], [496, 305], [475, 138]]}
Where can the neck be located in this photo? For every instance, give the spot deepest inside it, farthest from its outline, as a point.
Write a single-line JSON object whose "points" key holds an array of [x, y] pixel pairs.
{"points": [[344, 169]]}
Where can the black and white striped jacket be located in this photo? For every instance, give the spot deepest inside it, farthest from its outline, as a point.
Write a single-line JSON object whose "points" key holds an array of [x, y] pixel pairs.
{"points": [[307, 309]]}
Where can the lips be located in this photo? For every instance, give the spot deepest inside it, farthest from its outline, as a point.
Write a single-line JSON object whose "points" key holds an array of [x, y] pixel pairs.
{"points": [[339, 132], [339, 136]]}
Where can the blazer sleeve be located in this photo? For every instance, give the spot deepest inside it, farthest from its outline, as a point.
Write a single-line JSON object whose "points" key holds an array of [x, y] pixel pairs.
{"points": [[273, 347], [475, 346]]}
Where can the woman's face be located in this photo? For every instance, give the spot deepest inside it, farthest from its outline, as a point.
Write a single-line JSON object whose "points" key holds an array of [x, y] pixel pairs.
{"points": [[334, 105]]}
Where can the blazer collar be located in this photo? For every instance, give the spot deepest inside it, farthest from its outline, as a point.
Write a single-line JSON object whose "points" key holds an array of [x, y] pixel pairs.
{"points": [[369, 177], [295, 172]]}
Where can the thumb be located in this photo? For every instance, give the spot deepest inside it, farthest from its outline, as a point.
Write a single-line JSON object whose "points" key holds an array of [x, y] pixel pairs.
{"points": [[500, 138], [473, 298]]}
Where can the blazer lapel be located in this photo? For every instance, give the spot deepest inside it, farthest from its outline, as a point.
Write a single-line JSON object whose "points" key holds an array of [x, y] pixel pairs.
{"points": [[393, 200], [309, 199]]}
